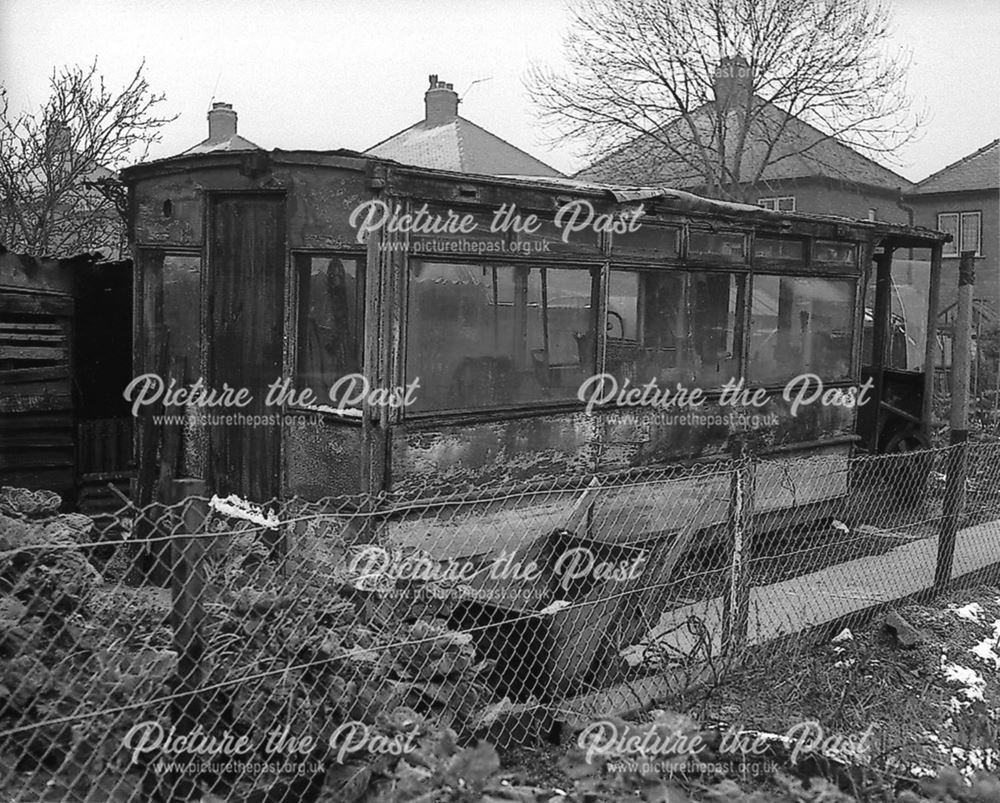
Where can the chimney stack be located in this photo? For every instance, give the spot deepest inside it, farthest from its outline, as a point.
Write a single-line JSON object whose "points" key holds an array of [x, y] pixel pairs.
{"points": [[440, 102], [733, 82], [59, 143], [221, 122]]}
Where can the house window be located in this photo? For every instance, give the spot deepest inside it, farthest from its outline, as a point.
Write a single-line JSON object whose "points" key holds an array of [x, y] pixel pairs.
{"points": [[800, 325], [674, 326], [966, 230], [330, 321], [783, 203], [494, 335]]}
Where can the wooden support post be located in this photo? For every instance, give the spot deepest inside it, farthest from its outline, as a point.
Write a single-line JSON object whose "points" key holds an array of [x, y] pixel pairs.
{"points": [[954, 492], [881, 334], [931, 343], [188, 586], [736, 600]]}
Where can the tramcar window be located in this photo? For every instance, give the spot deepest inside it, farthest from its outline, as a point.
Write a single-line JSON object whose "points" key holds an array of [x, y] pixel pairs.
{"points": [[549, 239], [181, 310], [800, 325], [909, 300], [330, 321], [488, 335], [778, 248], [727, 245], [833, 252], [648, 241], [674, 326]]}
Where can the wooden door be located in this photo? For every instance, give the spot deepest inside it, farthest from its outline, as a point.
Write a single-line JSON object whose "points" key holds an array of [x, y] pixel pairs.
{"points": [[246, 296]]}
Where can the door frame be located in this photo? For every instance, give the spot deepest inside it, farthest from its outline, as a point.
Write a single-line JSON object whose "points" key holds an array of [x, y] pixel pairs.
{"points": [[210, 196]]}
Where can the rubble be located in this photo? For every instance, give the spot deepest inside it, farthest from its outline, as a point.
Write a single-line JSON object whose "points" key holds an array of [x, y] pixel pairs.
{"points": [[906, 634]]}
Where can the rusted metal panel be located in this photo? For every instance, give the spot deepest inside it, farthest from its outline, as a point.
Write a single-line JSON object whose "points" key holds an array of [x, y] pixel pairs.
{"points": [[608, 440], [323, 458], [169, 209], [320, 204], [459, 456]]}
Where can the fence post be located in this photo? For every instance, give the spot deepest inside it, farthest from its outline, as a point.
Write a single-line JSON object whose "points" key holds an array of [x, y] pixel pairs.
{"points": [[736, 599], [954, 491], [188, 585]]}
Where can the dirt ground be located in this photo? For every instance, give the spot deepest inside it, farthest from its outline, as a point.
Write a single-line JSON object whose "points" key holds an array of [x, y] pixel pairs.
{"points": [[929, 706]]}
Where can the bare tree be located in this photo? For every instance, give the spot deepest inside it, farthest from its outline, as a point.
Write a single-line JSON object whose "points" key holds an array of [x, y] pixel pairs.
{"points": [[723, 91], [59, 194]]}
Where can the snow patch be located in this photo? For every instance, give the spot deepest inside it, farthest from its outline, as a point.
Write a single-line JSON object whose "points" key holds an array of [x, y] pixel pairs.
{"points": [[972, 612], [349, 412], [843, 635], [986, 649], [236, 508], [973, 682]]}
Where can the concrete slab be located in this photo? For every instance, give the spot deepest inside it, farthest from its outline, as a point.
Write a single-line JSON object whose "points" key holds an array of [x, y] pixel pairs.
{"points": [[823, 596]]}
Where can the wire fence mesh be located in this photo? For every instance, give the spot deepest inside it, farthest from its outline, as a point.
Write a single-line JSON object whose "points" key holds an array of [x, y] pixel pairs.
{"points": [[291, 649]]}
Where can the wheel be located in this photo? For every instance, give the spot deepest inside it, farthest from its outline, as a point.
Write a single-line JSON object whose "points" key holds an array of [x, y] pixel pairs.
{"points": [[907, 466]]}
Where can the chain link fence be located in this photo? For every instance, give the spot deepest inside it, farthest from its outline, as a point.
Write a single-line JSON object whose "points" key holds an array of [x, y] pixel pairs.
{"points": [[217, 649]]}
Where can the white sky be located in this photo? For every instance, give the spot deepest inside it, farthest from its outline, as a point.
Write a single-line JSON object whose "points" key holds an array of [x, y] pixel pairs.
{"points": [[326, 74]]}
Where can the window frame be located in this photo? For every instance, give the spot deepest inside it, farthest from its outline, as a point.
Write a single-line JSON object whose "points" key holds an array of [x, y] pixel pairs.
{"points": [[856, 333], [601, 266], [958, 242], [774, 203], [737, 272], [715, 259], [298, 265], [597, 268], [149, 264]]}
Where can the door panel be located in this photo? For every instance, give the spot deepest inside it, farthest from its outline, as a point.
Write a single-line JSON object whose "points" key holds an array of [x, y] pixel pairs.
{"points": [[246, 292]]}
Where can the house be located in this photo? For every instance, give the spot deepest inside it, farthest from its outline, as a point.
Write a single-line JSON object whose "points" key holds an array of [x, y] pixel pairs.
{"points": [[58, 200], [222, 134], [445, 141], [963, 199], [807, 171]]}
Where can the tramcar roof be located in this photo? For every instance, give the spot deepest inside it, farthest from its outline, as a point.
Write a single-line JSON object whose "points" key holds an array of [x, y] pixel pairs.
{"points": [[667, 198]]}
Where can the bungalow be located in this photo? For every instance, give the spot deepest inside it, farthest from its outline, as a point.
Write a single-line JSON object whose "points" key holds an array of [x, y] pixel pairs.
{"points": [[963, 199], [806, 171], [445, 141]]}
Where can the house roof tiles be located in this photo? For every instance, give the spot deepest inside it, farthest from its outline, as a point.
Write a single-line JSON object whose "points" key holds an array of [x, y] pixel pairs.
{"points": [[977, 171], [459, 145], [802, 151]]}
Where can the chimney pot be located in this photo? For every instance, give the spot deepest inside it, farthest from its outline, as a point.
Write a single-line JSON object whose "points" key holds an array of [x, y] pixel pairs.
{"points": [[733, 82], [440, 102], [221, 122]]}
